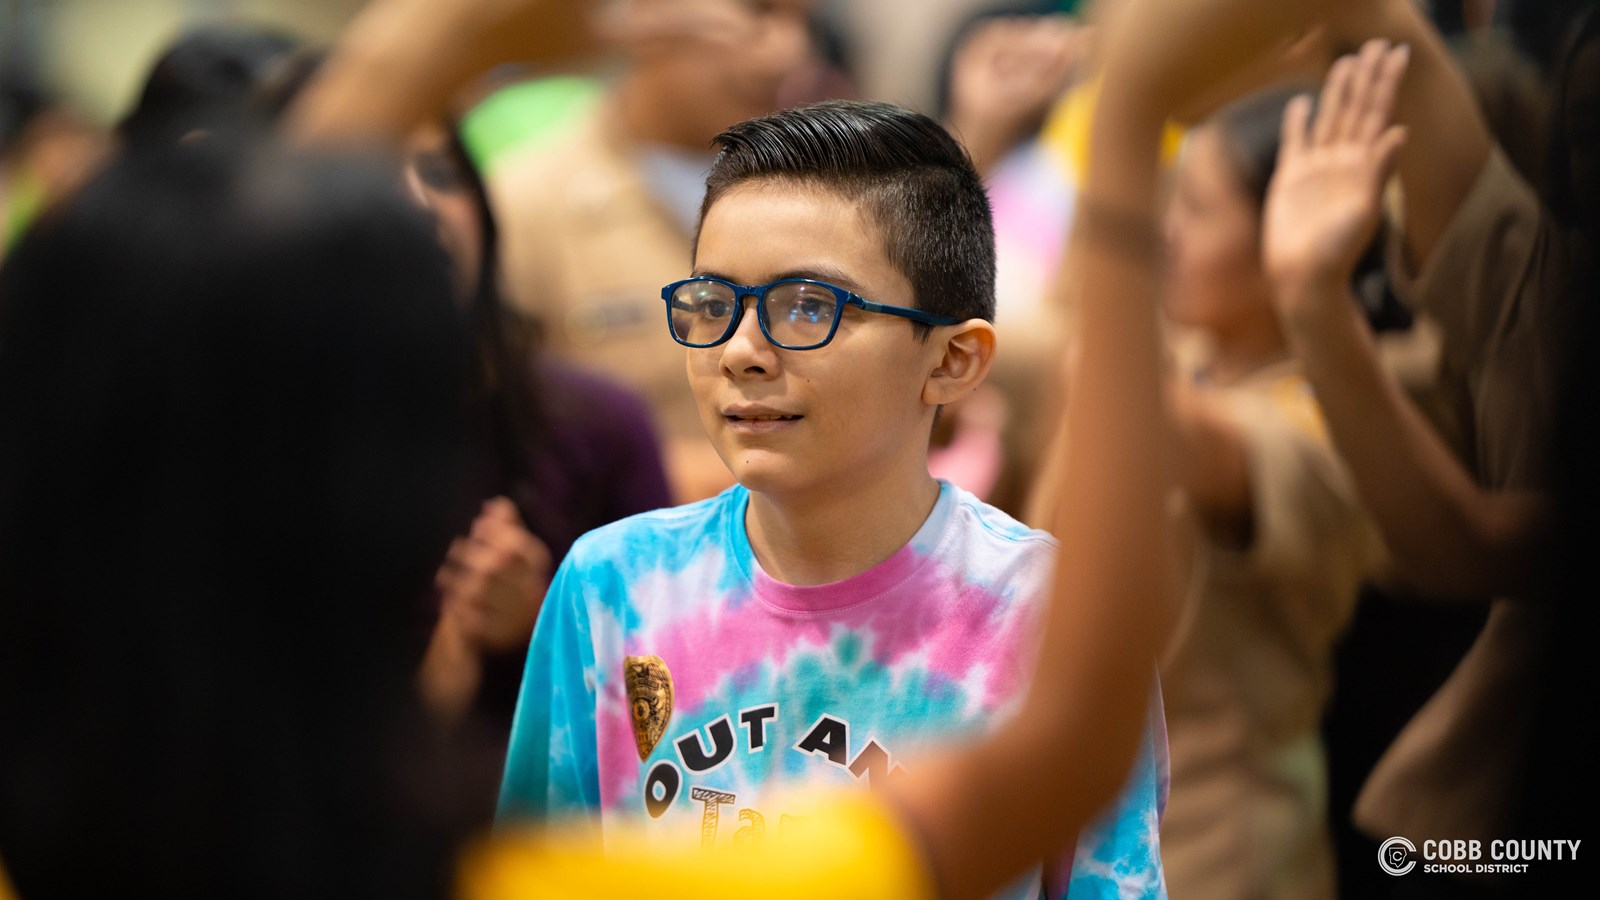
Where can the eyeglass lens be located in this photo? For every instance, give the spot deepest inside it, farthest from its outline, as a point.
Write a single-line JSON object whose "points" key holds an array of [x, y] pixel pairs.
{"points": [[798, 314]]}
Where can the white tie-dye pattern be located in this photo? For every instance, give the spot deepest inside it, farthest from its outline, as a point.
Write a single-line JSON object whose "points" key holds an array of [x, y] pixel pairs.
{"points": [[704, 568], [975, 690], [912, 664], [559, 741]]}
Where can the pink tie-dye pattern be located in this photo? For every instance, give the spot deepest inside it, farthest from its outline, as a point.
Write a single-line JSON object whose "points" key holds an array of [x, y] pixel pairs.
{"points": [[950, 636], [618, 754]]}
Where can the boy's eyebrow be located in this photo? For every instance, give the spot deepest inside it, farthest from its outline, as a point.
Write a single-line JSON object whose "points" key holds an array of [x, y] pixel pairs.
{"points": [[829, 274]]}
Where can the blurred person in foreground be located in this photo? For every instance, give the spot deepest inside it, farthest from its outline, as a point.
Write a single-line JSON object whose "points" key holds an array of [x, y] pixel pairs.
{"points": [[251, 365], [239, 376], [596, 220], [207, 81]]}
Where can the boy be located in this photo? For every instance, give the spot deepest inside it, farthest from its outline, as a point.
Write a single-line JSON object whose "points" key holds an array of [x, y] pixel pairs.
{"points": [[838, 609]]}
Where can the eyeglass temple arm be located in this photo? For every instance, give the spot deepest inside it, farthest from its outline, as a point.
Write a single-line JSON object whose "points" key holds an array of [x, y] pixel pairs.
{"points": [[915, 315]]}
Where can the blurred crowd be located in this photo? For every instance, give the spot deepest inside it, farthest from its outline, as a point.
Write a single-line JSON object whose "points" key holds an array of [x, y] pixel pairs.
{"points": [[275, 527]]}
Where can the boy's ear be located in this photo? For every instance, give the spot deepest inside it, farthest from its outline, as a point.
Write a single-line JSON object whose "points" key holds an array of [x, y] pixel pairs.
{"points": [[967, 351]]}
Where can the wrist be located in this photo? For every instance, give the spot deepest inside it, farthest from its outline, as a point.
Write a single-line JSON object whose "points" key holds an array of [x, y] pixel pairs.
{"points": [[1309, 293]]}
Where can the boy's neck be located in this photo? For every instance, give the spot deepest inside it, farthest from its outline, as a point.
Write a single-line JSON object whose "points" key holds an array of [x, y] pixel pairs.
{"points": [[818, 539]]}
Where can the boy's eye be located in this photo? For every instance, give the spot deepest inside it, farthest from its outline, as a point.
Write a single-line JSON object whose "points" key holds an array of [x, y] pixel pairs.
{"points": [[808, 309], [715, 308]]}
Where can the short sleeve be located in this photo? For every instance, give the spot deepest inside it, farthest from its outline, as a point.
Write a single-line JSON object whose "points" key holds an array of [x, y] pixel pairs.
{"points": [[551, 767], [1308, 521]]}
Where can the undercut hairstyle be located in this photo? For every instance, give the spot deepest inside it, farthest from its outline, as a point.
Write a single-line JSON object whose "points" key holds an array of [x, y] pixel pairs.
{"points": [[909, 177]]}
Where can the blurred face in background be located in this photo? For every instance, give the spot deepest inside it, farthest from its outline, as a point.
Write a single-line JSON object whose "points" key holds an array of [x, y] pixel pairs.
{"points": [[712, 63], [1213, 230], [437, 180]]}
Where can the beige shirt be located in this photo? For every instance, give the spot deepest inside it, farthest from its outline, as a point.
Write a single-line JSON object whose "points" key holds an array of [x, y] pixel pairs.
{"points": [[586, 249], [1494, 284], [1249, 668]]}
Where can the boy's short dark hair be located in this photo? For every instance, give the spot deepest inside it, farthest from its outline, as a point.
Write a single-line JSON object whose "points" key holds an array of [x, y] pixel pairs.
{"points": [[910, 177]]}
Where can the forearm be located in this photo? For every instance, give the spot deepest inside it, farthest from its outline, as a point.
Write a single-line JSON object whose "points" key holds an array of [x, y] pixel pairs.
{"points": [[450, 674], [400, 62], [1445, 533], [391, 68]]}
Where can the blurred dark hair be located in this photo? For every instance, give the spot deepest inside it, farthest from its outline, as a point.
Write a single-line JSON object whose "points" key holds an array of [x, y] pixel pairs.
{"points": [[911, 179], [504, 380], [507, 372], [231, 381], [1251, 130], [206, 81]]}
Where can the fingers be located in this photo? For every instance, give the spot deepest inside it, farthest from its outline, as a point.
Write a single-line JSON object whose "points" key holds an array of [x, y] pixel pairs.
{"points": [[500, 509], [1042, 50], [500, 526], [1359, 94], [1334, 91], [498, 547], [1296, 117], [1388, 72]]}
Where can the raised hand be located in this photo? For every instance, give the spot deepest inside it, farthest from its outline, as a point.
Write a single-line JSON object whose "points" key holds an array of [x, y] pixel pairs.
{"points": [[493, 580], [1006, 75], [1325, 200]]}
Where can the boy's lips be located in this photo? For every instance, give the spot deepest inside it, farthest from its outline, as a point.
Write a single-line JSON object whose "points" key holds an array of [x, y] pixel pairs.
{"points": [[756, 419]]}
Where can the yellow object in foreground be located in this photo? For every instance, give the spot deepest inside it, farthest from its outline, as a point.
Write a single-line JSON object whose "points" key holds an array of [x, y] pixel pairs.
{"points": [[847, 846]]}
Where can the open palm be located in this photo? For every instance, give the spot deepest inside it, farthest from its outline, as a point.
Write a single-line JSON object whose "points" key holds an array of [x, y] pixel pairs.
{"points": [[1323, 204]]}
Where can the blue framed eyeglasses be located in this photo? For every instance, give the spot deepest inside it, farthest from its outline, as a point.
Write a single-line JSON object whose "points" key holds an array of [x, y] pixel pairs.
{"points": [[794, 313]]}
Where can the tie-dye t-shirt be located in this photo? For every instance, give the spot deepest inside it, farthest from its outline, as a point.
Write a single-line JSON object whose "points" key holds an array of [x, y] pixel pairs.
{"points": [[672, 682]]}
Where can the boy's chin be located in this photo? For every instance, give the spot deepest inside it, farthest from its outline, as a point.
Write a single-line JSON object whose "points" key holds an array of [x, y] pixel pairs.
{"points": [[767, 473]]}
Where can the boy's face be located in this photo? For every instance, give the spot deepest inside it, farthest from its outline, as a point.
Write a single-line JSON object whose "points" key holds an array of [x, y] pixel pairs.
{"points": [[853, 411]]}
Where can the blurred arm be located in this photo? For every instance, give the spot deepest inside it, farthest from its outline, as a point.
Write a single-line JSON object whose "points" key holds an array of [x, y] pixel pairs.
{"points": [[400, 62], [1445, 533], [1113, 585]]}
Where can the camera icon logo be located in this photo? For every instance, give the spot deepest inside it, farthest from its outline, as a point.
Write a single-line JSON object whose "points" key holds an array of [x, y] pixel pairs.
{"points": [[1397, 856]]}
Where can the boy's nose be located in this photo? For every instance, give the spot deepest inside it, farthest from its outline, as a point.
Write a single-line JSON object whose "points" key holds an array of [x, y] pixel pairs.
{"points": [[748, 353]]}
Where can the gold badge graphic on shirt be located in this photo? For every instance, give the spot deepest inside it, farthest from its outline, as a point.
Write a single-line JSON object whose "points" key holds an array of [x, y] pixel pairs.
{"points": [[650, 698]]}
